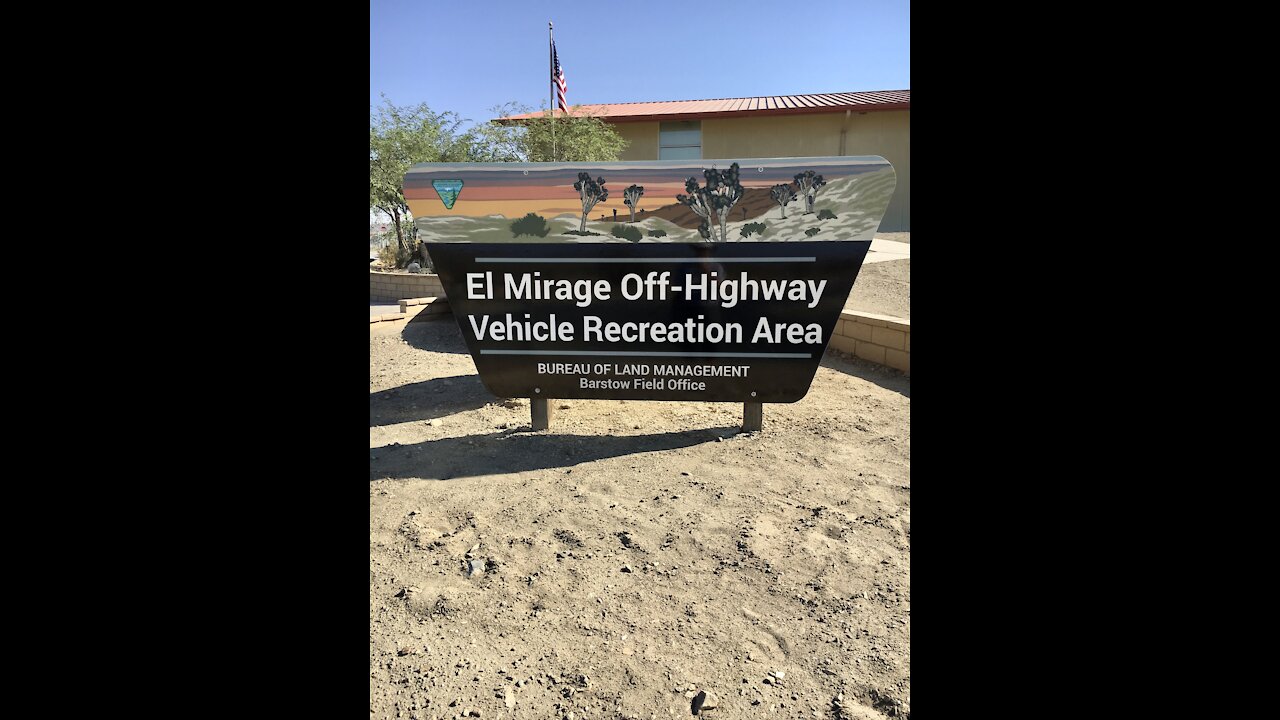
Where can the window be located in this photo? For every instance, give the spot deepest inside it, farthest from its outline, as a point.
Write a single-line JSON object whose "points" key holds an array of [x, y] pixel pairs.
{"points": [[680, 140]]}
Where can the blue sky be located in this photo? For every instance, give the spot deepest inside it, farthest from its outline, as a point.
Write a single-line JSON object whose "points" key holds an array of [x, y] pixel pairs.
{"points": [[469, 55]]}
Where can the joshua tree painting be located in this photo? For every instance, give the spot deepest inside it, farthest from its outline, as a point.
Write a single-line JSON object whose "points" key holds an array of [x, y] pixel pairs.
{"points": [[808, 182], [782, 194], [591, 192], [631, 197], [713, 202]]}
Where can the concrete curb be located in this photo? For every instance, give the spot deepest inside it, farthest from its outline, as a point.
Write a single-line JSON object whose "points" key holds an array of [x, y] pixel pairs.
{"points": [[411, 308]]}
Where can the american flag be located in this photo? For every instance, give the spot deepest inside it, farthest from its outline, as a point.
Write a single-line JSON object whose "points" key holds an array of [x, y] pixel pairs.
{"points": [[557, 78]]}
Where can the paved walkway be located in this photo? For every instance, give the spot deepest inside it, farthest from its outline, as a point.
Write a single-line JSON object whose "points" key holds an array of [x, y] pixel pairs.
{"points": [[884, 250]]}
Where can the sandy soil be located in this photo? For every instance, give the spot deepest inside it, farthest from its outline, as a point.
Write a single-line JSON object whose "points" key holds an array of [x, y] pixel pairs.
{"points": [[883, 288], [636, 552]]}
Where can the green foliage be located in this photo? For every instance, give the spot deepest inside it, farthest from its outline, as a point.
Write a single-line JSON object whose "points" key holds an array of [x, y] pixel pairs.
{"points": [[395, 254], [531, 224], [657, 233], [751, 228], [387, 256], [579, 137], [579, 232], [812, 231], [627, 232], [826, 214], [392, 256], [398, 138]]}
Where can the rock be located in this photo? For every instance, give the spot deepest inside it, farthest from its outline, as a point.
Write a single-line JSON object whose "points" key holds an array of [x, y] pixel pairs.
{"points": [[626, 568], [433, 423], [475, 567], [414, 267], [685, 474], [778, 674], [704, 701], [565, 406]]}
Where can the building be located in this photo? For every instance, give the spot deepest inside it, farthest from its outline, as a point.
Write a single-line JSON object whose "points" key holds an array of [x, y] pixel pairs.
{"points": [[860, 123]]}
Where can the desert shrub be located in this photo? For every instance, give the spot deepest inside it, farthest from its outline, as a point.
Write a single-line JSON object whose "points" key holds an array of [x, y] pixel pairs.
{"points": [[812, 231], [657, 233], [627, 232], [579, 232], [825, 214], [531, 224], [751, 228], [391, 256]]}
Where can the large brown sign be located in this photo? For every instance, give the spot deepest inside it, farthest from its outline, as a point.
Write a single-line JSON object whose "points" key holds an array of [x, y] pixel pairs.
{"points": [[720, 280]]}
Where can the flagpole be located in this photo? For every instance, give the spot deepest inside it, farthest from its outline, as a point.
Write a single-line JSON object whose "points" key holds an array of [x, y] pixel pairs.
{"points": [[551, 35]]}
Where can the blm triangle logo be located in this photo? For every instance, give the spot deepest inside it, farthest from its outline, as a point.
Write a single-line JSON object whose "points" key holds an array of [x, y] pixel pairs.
{"points": [[448, 190]]}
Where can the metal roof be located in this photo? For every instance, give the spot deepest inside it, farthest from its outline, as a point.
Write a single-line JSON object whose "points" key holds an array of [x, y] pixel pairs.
{"points": [[731, 107]]}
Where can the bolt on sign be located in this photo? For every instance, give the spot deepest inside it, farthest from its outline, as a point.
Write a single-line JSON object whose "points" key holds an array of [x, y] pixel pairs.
{"points": [[719, 280]]}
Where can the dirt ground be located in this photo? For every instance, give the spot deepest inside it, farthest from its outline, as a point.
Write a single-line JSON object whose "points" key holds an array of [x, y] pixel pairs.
{"points": [[637, 552]]}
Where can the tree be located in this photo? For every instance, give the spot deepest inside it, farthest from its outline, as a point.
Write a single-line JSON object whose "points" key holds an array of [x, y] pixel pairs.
{"points": [[808, 182], [579, 137], [713, 202], [630, 197], [398, 138], [590, 192], [782, 194]]}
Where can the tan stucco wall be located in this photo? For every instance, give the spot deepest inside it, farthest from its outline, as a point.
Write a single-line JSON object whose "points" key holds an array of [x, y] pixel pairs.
{"points": [[885, 133], [643, 139]]}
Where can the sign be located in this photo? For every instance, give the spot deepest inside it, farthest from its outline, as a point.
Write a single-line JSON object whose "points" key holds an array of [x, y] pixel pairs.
{"points": [[720, 280]]}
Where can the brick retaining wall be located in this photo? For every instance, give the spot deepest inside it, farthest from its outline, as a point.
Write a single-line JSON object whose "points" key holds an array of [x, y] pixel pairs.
{"points": [[393, 287], [881, 339]]}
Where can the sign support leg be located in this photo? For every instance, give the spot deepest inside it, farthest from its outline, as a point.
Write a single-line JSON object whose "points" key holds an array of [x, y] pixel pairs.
{"points": [[541, 409], [752, 417]]}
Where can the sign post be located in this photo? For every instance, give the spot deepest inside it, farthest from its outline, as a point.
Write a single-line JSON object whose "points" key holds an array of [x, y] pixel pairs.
{"points": [[728, 291]]}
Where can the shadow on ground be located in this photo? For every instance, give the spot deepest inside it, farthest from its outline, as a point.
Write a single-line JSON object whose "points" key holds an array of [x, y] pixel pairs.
{"points": [[427, 399], [886, 378], [512, 451], [437, 334]]}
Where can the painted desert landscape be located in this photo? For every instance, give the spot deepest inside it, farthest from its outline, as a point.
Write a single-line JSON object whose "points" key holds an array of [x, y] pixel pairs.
{"points": [[751, 200]]}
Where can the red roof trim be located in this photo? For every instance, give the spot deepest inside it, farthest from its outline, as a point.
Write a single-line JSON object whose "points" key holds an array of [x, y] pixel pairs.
{"points": [[874, 101]]}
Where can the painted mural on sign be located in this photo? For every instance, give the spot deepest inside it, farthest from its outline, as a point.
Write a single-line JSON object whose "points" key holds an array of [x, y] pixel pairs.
{"points": [[714, 280], [713, 201]]}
